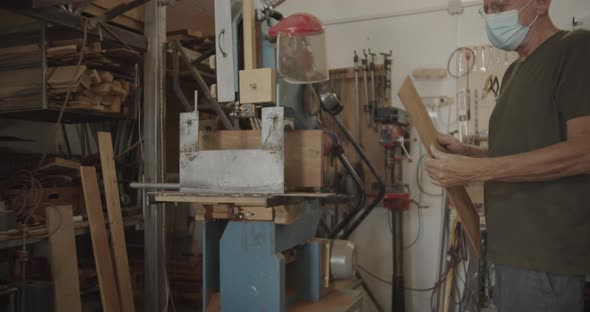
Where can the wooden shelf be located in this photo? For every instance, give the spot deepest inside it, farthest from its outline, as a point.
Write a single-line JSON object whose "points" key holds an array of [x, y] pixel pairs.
{"points": [[13, 238]]}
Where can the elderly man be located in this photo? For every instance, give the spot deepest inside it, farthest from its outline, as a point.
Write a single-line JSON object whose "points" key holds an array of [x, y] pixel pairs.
{"points": [[537, 167]]}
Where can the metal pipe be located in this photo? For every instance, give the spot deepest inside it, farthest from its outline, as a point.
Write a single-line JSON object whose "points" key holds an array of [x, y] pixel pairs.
{"points": [[362, 199], [366, 160], [397, 289], [44, 66], [162, 186], [440, 8], [201, 82], [176, 81]]}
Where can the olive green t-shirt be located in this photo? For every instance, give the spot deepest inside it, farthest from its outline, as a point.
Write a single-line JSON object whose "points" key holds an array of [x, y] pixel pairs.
{"points": [[543, 226]]}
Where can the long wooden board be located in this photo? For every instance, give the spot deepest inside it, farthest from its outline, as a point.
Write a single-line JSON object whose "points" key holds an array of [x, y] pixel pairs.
{"points": [[428, 134], [63, 258], [304, 159], [111, 188], [100, 242]]}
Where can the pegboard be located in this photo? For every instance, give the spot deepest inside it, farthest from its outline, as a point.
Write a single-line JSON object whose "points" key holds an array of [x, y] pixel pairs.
{"points": [[470, 87]]}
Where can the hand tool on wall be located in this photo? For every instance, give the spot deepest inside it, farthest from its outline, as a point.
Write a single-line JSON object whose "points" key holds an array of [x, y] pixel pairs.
{"points": [[460, 63], [476, 112], [475, 68], [491, 58], [387, 64], [373, 102], [357, 103], [483, 60], [492, 85], [498, 62], [365, 63], [506, 62]]}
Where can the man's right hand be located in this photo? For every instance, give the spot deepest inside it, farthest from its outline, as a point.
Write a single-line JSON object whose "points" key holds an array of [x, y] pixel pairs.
{"points": [[451, 144]]}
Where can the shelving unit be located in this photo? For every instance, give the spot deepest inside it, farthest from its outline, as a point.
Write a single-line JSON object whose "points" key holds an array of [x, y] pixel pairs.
{"points": [[52, 25]]}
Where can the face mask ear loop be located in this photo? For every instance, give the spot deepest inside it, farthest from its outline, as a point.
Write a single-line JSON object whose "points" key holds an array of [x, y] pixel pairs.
{"points": [[525, 6], [531, 24]]}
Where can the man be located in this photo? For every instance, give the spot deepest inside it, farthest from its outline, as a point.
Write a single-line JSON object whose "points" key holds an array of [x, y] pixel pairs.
{"points": [[537, 168]]}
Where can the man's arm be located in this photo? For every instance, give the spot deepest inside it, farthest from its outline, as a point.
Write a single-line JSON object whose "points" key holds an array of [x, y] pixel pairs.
{"points": [[560, 160]]}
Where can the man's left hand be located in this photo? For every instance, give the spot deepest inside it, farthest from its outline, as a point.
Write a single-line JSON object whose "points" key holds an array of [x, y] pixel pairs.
{"points": [[449, 170]]}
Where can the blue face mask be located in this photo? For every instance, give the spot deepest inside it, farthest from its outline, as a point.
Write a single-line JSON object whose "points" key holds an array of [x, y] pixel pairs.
{"points": [[504, 30]]}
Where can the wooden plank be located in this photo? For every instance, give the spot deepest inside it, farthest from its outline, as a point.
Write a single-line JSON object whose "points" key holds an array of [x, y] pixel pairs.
{"points": [[428, 134], [63, 258], [210, 200], [255, 213], [65, 76], [304, 161], [100, 242], [111, 188], [249, 20], [123, 20]]}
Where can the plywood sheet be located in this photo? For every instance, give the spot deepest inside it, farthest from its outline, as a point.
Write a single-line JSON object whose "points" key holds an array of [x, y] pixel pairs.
{"points": [[428, 134]]}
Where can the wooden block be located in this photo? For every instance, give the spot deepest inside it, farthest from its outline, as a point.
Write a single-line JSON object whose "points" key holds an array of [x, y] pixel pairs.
{"points": [[304, 161], [65, 75], [255, 213], [112, 197], [286, 214], [56, 52], [85, 80], [62, 196], [94, 76], [222, 211], [63, 259], [100, 242], [106, 76], [61, 163], [258, 86], [428, 134]]}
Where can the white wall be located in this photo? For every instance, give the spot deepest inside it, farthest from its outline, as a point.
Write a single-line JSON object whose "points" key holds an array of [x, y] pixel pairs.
{"points": [[417, 41]]}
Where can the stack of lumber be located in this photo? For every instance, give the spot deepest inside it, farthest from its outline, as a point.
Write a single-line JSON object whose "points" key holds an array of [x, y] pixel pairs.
{"points": [[102, 82]]}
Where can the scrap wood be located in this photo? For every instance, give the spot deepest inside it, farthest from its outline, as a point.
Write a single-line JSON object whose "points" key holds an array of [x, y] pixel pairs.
{"points": [[65, 76]]}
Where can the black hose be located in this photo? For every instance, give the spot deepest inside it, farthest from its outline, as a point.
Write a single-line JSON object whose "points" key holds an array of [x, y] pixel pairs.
{"points": [[362, 194], [366, 160]]}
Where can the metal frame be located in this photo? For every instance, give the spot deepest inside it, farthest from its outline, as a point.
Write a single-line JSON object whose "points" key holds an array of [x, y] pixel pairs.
{"points": [[154, 149], [66, 19]]}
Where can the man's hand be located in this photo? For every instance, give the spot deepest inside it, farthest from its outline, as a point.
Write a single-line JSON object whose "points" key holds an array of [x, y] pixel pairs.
{"points": [[449, 170], [451, 144]]}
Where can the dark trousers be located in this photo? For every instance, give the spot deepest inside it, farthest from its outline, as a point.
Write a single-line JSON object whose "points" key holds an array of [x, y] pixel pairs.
{"points": [[521, 290]]}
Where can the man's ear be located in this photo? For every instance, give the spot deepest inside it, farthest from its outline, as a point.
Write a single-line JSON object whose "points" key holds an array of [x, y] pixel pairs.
{"points": [[542, 7]]}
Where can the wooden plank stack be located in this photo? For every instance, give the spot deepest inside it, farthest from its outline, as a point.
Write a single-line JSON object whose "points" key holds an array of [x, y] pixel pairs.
{"points": [[103, 81]]}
